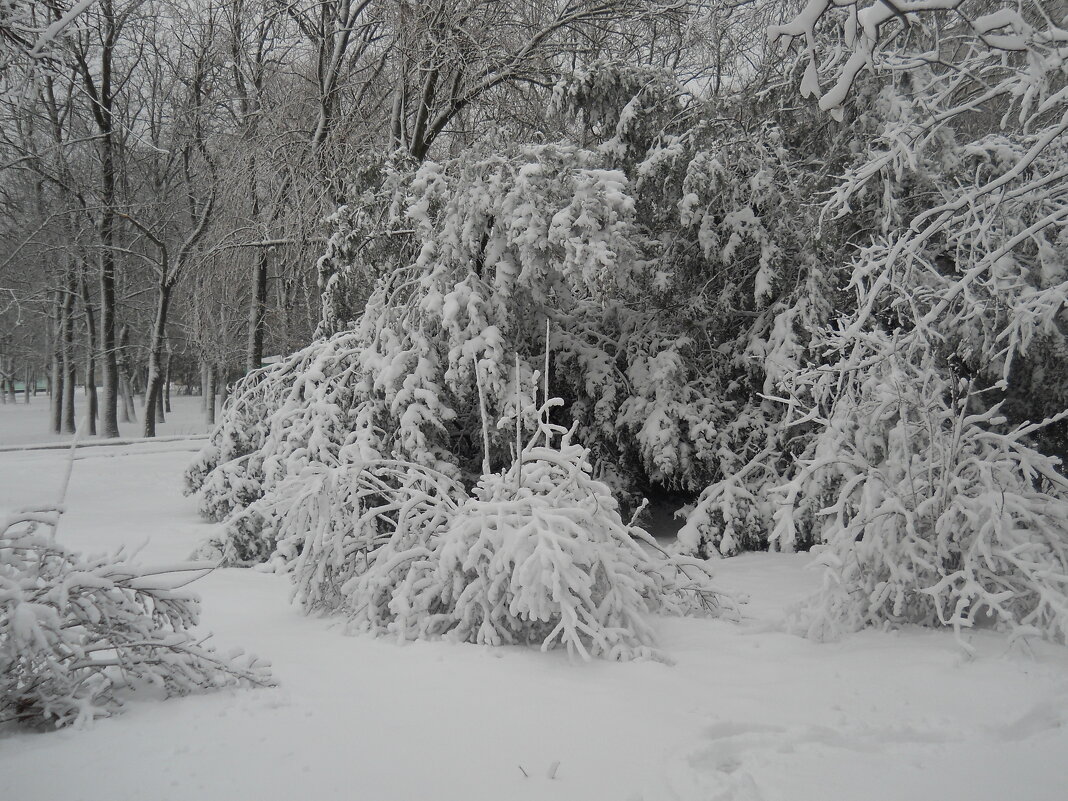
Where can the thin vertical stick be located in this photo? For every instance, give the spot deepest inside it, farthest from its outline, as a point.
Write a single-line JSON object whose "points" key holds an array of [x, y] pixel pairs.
{"points": [[545, 399], [485, 423], [518, 428]]}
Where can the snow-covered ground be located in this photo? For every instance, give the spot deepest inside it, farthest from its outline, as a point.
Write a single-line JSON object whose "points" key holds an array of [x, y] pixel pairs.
{"points": [[27, 423], [746, 713]]}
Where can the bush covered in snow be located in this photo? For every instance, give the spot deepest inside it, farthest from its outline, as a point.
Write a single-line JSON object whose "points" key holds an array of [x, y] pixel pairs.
{"points": [[939, 499], [943, 514], [609, 246], [77, 633], [536, 554], [277, 420]]}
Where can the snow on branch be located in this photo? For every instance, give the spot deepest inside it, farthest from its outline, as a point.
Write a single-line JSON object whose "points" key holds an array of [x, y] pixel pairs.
{"points": [[78, 634], [23, 32], [881, 34], [49, 34]]}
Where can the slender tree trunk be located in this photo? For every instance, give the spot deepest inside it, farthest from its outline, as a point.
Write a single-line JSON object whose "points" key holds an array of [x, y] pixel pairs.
{"points": [[257, 315], [70, 384], [92, 407], [154, 385], [103, 113], [30, 377], [283, 291], [160, 411], [257, 319], [224, 386], [70, 378], [167, 381], [90, 355], [128, 408], [209, 409], [109, 418], [70, 370], [204, 380], [124, 406], [55, 381]]}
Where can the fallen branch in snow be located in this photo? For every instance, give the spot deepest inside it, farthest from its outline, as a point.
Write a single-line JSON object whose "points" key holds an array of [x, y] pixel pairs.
{"points": [[77, 633]]}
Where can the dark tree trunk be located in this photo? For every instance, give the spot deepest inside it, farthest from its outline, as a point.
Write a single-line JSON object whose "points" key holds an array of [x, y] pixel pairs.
{"points": [[70, 370], [55, 381], [90, 355], [92, 406], [154, 384], [102, 94], [209, 409], [257, 319], [109, 412], [128, 408]]}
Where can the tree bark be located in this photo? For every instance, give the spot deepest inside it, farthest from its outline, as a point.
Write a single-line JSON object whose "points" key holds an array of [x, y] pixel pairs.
{"points": [[90, 355], [109, 420], [70, 370], [257, 319], [224, 386], [102, 97], [204, 381], [56, 380], [154, 388], [167, 381], [128, 408], [209, 409]]}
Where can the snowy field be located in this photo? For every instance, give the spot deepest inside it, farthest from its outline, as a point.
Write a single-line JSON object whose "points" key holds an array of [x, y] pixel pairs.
{"points": [[747, 712], [24, 424]]}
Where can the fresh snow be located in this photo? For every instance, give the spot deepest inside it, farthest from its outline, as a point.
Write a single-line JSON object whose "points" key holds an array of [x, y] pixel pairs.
{"points": [[746, 714], [23, 424]]}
